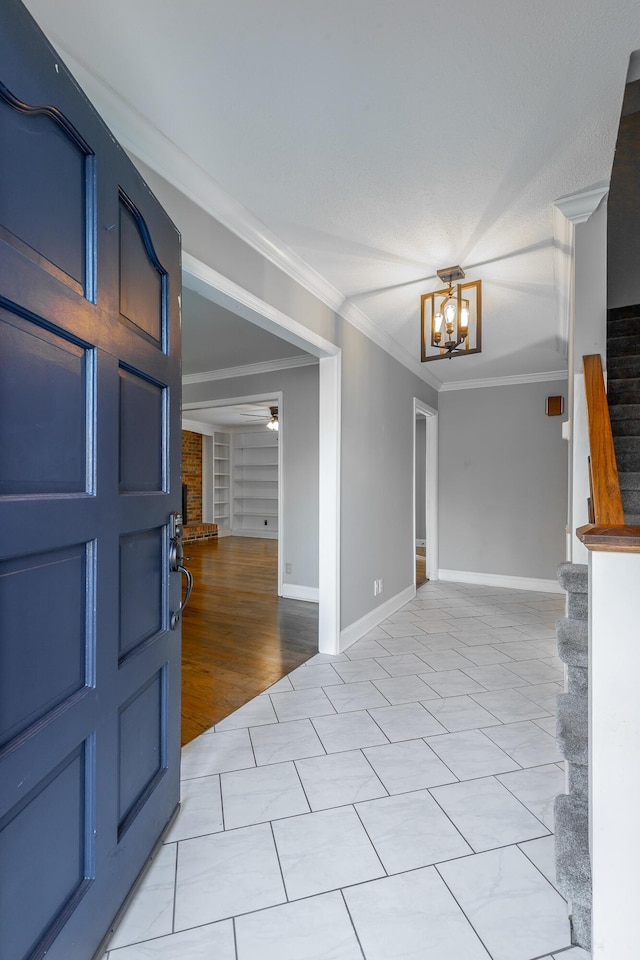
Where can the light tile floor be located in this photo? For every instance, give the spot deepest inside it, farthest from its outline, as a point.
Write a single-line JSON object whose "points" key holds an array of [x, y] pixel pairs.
{"points": [[393, 802]]}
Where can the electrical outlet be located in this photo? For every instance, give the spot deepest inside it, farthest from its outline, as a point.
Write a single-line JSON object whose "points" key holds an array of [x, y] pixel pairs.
{"points": [[287, 568]]}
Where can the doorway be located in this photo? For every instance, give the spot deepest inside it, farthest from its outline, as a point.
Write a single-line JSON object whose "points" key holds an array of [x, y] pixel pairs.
{"points": [[424, 544]]}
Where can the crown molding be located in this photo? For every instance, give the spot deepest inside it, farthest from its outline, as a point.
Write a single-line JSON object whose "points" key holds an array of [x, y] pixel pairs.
{"points": [[579, 207], [505, 381], [146, 143], [249, 369]]}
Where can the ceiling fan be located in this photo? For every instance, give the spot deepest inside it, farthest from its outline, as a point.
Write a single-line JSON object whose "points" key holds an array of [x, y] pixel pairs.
{"points": [[270, 419]]}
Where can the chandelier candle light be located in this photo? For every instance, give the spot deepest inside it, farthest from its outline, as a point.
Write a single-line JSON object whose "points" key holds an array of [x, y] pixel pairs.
{"points": [[450, 320]]}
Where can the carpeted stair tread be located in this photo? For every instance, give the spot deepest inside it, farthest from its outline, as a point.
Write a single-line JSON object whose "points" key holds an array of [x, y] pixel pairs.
{"points": [[578, 681], [629, 480], [572, 728], [573, 865], [573, 641], [632, 519], [631, 501], [623, 346], [624, 411], [574, 577], [619, 368], [627, 326], [625, 428], [581, 927], [627, 459], [624, 391], [627, 445], [579, 781]]}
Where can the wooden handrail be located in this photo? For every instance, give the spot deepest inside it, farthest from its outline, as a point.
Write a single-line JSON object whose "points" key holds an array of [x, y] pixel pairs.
{"points": [[607, 500]]}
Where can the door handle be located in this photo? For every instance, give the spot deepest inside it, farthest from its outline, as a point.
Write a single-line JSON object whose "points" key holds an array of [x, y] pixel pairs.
{"points": [[178, 613], [176, 564]]}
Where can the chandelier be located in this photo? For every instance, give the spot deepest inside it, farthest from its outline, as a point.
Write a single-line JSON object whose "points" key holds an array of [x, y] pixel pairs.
{"points": [[272, 423], [450, 319]]}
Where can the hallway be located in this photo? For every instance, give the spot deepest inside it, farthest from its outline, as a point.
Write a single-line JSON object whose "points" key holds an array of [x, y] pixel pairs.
{"points": [[394, 801]]}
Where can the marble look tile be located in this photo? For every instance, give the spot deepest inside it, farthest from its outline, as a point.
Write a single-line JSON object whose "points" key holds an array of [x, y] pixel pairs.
{"points": [[444, 660], [355, 696], [322, 675], [494, 676], [514, 910], [260, 794], [486, 814], [353, 670], [405, 689], [470, 755], [441, 641], [542, 854], [459, 713], [410, 629], [520, 650], [150, 913], [454, 683], [324, 851], [225, 874], [319, 927], [348, 731], [544, 694], [404, 664], [200, 809], [285, 741], [535, 672], [301, 704], [575, 953], [410, 830], [537, 788], [339, 779], [406, 721], [397, 646], [366, 648], [319, 658], [216, 753], [484, 655], [548, 724], [526, 742], [201, 943], [413, 916], [509, 706], [278, 687], [410, 765], [252, 714]]}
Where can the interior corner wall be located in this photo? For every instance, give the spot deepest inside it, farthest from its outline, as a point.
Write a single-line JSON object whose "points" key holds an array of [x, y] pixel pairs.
{"points": [[300, 448], [503, 481], [421, 478]]}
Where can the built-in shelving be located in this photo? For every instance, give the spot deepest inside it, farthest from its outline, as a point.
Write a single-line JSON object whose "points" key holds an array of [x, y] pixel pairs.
{"points": [[255, 483], [222, 481]]}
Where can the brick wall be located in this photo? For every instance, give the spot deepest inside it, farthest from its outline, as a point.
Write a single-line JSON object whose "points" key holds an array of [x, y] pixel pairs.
{"points": [[192, 474]]}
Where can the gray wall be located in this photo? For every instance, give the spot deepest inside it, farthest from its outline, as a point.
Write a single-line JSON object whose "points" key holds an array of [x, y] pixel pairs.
{"points": [[299, 437], [503, 481], [377, 411]]}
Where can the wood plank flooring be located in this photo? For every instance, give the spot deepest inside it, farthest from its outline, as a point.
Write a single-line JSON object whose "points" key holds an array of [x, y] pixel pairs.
{"points": [[238, 636], [421, 566]]}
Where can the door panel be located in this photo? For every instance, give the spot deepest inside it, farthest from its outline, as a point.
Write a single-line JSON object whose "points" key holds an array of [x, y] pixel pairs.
{"points": [[89, 474]]}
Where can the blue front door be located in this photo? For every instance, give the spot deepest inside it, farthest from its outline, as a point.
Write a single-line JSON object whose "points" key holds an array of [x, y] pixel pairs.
{"points": [[89, 475]]}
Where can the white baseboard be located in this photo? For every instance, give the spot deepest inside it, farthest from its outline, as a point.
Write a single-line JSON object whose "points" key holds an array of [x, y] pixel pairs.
{"points": [[296, 591], [501, 580], [223, 533], [421, 543], [257, 534], [370, 620]]}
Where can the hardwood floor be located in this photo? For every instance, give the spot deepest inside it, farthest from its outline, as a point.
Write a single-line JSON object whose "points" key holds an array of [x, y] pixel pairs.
{"points": [[238, 636], [421, 566]]}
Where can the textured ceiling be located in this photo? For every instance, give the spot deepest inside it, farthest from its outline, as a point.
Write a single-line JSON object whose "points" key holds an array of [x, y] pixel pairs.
{"points": [[382, 140]]}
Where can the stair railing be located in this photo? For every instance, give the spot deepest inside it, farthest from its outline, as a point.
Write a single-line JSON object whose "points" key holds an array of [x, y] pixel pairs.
{"points": [[606, 499]]}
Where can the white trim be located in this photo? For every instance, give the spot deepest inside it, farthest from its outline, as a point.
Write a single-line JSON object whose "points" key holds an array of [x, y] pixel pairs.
{"points": [[421, 543], [506, 381], [296, 591], [330, 398], [146, 143], [214, 286], [501, 580], [249, 369], [431, 488], [370, 620], [579, 207]]}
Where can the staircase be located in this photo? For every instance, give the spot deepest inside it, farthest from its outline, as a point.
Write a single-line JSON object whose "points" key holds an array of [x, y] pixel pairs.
{"points": [[623, 395], [573, 865]]}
